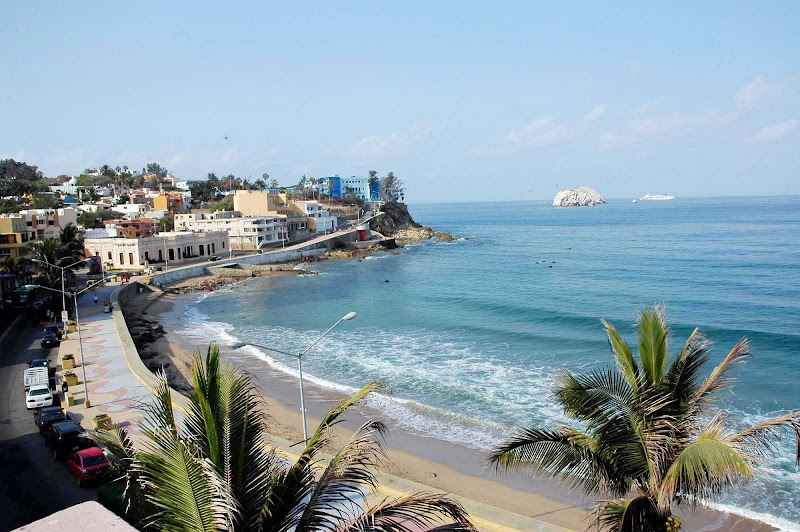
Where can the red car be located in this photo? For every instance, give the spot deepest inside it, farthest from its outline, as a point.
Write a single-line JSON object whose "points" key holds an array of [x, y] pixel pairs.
{"points": [[88, 464]]}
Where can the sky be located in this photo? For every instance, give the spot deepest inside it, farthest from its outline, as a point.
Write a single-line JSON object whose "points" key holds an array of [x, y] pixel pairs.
{"points": [[464, 101]]}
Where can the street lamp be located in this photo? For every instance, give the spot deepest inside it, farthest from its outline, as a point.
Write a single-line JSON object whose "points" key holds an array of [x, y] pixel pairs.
{"points": [[236, 345], [75, 295], [63, 290]]}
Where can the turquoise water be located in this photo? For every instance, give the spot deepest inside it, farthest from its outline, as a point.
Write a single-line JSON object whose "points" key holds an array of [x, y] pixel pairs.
{"points": [[468, 334]]}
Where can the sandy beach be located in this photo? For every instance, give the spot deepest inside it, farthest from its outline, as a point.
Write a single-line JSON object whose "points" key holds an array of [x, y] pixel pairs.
{"points": [[433, 462]]}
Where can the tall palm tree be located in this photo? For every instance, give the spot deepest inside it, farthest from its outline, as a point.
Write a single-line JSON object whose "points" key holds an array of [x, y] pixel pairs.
{"points": [[18, 269], [652, 436], [216, 472]]}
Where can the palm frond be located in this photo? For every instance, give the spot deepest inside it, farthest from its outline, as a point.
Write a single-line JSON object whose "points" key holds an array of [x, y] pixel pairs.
{"points": [[652, 336], [282, 506], [624, 356], [719, 380], [760, 440], [637, 514], [116, 440], [159, 414], [183, 485], [414, 512], [566, 454], [341, 486], [595, 397], [706, 465]]}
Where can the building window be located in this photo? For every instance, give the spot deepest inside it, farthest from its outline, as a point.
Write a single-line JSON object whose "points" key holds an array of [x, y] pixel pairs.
{"points": [[122, 258], [160, 256], [202, 251], [214, 250], [171, 254], [146, 256], [130, 258], [109, 255]]}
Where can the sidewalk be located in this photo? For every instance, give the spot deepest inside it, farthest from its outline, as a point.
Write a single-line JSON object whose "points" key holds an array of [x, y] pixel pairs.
{"points": [[113, 389]]}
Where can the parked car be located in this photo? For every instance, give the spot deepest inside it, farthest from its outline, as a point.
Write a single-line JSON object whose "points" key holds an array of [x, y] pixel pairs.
{"points": [[66, 437], [39, 363], [38, 395], [50, 340], [55, 330], [88, 465], [44, 417], [213, 258]]}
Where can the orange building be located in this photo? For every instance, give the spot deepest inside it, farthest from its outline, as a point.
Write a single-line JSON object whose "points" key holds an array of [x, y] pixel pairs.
{"points": [[168, 201]]}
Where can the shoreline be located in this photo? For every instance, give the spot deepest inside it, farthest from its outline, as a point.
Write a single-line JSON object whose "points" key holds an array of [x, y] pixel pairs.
{"points": [[437, 463]]}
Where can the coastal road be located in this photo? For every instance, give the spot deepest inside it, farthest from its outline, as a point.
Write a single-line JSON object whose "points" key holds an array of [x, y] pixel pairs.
{"points": [[32, 484]]}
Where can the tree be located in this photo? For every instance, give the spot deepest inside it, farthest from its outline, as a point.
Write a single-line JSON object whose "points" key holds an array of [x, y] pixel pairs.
{"points": [[166, 223], [273, 184], [301, 185], [18, 268], [18, 178], [653, 437], [122, 199], [260, 184], [107, 171], [94, 220], [155, 168], [392, 188], [265, 176], [216, 472], [71, 241], [45, 201]]}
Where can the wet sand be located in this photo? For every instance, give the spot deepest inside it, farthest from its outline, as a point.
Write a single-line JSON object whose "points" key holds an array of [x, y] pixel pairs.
{"points": [[430, 461]]}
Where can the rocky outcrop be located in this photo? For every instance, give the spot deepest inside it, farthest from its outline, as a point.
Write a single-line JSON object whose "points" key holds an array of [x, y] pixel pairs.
{"points": [[583, 197], [398, 224], [395, 218]]}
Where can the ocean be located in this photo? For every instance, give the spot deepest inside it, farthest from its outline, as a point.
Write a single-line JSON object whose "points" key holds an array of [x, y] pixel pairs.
{"points": [[468, 334]]}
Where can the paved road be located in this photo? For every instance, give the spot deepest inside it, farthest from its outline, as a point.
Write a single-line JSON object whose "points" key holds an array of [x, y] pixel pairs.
{"points": [[32, 484]]}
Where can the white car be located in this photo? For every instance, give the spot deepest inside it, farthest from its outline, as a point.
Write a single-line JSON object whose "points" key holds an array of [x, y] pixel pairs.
{"points": [[38, 395]]}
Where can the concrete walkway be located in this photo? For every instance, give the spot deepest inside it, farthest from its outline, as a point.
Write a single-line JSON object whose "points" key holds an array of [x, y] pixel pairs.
{"points": [[112, 388]]}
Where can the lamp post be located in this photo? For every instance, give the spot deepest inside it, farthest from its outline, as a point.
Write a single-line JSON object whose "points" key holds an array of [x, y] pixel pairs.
{"points": [[63, 290], [236, 345], [75, 295]]}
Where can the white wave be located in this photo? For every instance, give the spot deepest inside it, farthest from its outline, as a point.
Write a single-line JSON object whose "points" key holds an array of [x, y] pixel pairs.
{"points": [[784, 525]]}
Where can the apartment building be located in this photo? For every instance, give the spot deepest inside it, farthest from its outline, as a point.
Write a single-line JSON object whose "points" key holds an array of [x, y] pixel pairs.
{"points": [[302, 217], [14, 234], [245, 232], [171, 247], [319, 218]]}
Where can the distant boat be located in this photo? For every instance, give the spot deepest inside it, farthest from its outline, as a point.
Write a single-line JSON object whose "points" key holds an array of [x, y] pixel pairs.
{"points": [[633, 200], [657, 197]]}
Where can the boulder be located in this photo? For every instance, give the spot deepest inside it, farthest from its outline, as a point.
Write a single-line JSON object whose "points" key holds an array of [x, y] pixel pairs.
{"points": [[583, 197]]}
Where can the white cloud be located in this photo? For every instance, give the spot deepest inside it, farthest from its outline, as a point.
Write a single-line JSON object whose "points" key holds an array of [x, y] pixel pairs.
{"points": [[374, 147], [774, 133], [595, 114], [539, 133], [757, 90], [664, 127]]}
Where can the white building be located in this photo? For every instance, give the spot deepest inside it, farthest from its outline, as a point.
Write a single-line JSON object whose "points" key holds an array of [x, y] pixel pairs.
{"points": [[68, 187], [245, 232], [319, 218], [46, 223], [131, 209], [137, 253]]}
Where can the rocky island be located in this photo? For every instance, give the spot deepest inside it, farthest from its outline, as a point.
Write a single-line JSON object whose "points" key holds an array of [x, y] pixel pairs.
{"points": [[582, 197]]}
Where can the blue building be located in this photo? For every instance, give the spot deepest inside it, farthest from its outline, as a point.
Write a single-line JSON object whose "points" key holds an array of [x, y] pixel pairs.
{"points": [[360, 187]]}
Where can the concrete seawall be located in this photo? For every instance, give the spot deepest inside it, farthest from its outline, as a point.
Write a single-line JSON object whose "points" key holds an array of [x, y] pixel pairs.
{"points": [[297, 252]]}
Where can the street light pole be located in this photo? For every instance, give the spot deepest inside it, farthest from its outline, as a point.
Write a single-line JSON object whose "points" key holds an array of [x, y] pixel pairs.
{"points": [[63, 289], [236, 345]]}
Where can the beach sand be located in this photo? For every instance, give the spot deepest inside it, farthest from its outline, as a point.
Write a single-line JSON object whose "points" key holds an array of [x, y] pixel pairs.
{"points": [[438, 464]]}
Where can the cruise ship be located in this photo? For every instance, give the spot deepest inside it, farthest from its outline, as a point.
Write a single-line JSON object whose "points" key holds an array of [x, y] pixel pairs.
{"points": [[657, 197]]}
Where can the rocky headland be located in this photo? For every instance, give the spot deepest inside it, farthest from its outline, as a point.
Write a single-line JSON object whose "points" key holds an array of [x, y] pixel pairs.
{"points": [[397, 223], [582, 197]]}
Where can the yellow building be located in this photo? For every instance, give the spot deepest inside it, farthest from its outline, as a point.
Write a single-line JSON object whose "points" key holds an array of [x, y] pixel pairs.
{"points": [[14, 234]]}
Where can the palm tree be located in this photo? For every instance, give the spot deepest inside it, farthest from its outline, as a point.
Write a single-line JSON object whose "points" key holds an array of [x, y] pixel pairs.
{"points": [[71, 241], [216, 472], [653, 437], [18, 269]]}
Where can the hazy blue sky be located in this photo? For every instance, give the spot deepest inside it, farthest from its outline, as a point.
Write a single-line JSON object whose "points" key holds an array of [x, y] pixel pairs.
{"points": [[464, 101]]}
